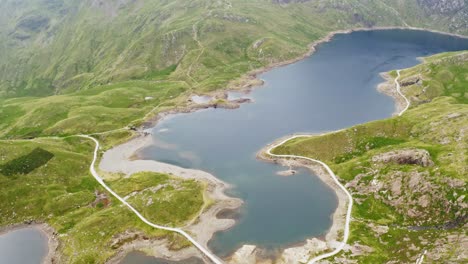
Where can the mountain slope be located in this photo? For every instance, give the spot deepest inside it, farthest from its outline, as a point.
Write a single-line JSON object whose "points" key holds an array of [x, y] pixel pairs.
{"points": [[52, 47]]}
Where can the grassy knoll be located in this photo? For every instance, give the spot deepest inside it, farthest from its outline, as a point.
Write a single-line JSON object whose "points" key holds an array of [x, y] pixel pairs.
{"points": [[161, 198], [60, 191], [407, 174]]}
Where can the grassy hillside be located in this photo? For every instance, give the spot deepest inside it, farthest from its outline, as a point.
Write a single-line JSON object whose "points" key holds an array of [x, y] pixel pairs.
{"points": [[47, 180], [54, 47], [408, 174], [70, 67]]}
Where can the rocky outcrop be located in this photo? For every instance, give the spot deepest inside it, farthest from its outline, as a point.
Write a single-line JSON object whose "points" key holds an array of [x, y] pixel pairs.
{"points": [[406, 156], [411, 81], [302, 254], [126, 237], [245, 255], [443, 6]]}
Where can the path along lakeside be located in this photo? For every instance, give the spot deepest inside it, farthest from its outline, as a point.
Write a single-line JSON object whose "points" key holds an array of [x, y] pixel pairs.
{"points": [[202, 248], [346, 232], [92, 169]]}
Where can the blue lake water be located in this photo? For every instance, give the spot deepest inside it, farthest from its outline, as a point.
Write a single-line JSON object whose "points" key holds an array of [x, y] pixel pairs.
{"points": [[23, 246], [332, 89]]}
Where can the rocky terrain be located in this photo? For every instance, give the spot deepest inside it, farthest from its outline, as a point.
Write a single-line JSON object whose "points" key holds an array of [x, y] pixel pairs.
{"points": [[408, 174]]}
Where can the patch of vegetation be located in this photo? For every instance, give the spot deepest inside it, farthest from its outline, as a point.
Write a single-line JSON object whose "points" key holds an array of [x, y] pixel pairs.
{"points": [[164, 200], [100, 109], [27, 163]]}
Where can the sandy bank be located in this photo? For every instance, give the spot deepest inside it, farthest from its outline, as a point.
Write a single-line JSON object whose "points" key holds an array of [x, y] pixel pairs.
{"points": [[118, 160]]}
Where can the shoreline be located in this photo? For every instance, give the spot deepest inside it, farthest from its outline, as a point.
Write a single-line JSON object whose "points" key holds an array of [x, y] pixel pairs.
{"points": [[388, 88], [250, 79], [52, 243], [245, 84], [203, 227], [313, 245]]}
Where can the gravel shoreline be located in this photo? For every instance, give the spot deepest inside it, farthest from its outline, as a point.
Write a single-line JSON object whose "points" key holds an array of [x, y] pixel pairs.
{"points": [[119, 160], [208, 223]]}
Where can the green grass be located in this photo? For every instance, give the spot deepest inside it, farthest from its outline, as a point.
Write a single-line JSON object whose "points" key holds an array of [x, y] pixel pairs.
{"points": [[171, 203], [104, 108], [26, 163], [435, 123], [60, 192]]}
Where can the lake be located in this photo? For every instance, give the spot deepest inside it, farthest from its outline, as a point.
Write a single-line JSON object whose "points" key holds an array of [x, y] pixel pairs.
{"points": [[23, 246], [332, 89]]}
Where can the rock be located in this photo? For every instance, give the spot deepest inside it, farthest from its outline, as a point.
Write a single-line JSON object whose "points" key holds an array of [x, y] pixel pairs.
{"points": [[443, 6], [378, 229], [258, 43], [396, 187], [120, 239], [245, 255], [302, 254], [454, 115], [410, 81], [406, 156], [424, 200], [101, 199], [286, 173], [358, 249]]}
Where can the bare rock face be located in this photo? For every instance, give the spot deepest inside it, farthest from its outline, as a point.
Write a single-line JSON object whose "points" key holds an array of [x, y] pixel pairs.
{"points": [[406, 156], [443, 6], [410, 81], [125, 237], [302, 254]]}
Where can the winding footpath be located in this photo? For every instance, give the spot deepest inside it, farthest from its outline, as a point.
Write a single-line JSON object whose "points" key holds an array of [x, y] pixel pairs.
{"points": [[332, 174], [92, 169], [205, 251], [398, 88]]}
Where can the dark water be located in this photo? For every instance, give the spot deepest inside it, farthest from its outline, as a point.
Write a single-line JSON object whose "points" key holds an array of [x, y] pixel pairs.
{"points": [[333, 89], [140, 258], [23, 246]]}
